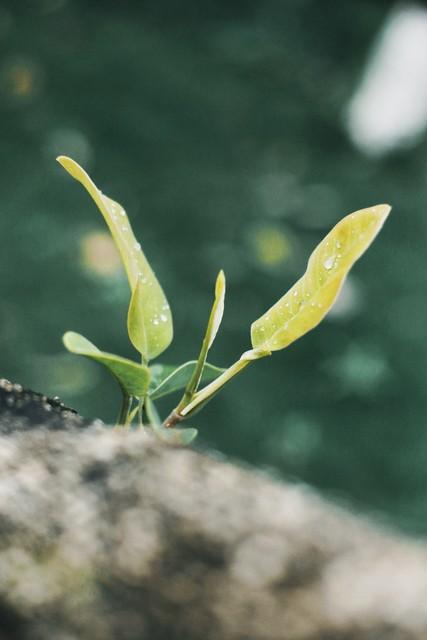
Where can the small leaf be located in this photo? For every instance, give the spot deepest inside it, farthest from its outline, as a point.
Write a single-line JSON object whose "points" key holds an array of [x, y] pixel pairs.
{"points": [[174, 436], [166, 379], [133, 378], [149, 307], [217, 311], [214, 323], [310, 299]]}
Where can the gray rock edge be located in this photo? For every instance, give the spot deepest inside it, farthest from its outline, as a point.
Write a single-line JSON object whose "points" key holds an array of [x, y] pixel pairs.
{"points": [[107, 534]]}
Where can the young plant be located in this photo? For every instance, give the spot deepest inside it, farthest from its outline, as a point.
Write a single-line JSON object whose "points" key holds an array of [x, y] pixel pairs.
{"points": [[150, 328]]}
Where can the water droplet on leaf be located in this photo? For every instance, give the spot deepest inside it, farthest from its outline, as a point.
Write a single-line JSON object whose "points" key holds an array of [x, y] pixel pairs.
{"points": [[329, 263]]}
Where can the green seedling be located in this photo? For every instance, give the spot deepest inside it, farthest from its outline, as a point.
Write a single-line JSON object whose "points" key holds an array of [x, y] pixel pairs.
{"points": [[150, 328]]}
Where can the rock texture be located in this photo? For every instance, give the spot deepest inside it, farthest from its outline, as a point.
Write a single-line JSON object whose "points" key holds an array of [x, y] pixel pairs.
{"points": [[106, 534]]}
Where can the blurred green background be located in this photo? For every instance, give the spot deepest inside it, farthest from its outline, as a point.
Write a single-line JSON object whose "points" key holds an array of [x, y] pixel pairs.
{"points": [[235, 134]]}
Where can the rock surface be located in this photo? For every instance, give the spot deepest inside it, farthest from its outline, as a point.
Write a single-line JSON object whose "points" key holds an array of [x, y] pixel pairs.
{"points": [[106, 534]]}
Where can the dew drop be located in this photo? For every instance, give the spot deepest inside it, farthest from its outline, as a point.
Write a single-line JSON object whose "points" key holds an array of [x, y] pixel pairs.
{"points": [[163, 317], [137, 246], [295, 293], [329, 263], [155, 321]]}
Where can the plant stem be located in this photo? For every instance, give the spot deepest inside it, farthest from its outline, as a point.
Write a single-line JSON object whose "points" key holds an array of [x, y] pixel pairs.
{"points": [[152, 415], [124, 409], [140, 412], [195, 378], [205, 394]]}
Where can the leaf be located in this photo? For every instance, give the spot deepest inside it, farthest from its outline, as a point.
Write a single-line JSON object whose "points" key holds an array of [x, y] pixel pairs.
{"points": [[214, 323], [149, 308], [174, 436], [149, 329], [217, 311], [166, 379], [311, 297], [132, 377]]}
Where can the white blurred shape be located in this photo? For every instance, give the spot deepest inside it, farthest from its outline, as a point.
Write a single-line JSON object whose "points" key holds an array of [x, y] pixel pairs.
{"points": [[348, 302], [389, 108]]}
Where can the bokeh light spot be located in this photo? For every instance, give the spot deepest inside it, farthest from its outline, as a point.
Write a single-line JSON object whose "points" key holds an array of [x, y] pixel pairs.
{"points": [[62, 374], [298, 439], [271, 246], [348, 302], [361, 370], [20, 80], [99, 254]]}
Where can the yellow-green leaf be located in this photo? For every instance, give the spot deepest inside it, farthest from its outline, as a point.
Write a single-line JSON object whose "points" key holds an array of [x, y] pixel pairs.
{"points": [[217, 311], [133, 378], [311, 297], [149, 309], [149, 324], [214, 323]]}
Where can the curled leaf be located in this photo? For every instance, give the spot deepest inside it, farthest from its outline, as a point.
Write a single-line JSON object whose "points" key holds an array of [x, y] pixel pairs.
{"points": [[149, 307], [132, 377], [311, 297], [214, 323], [217, 311]]}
